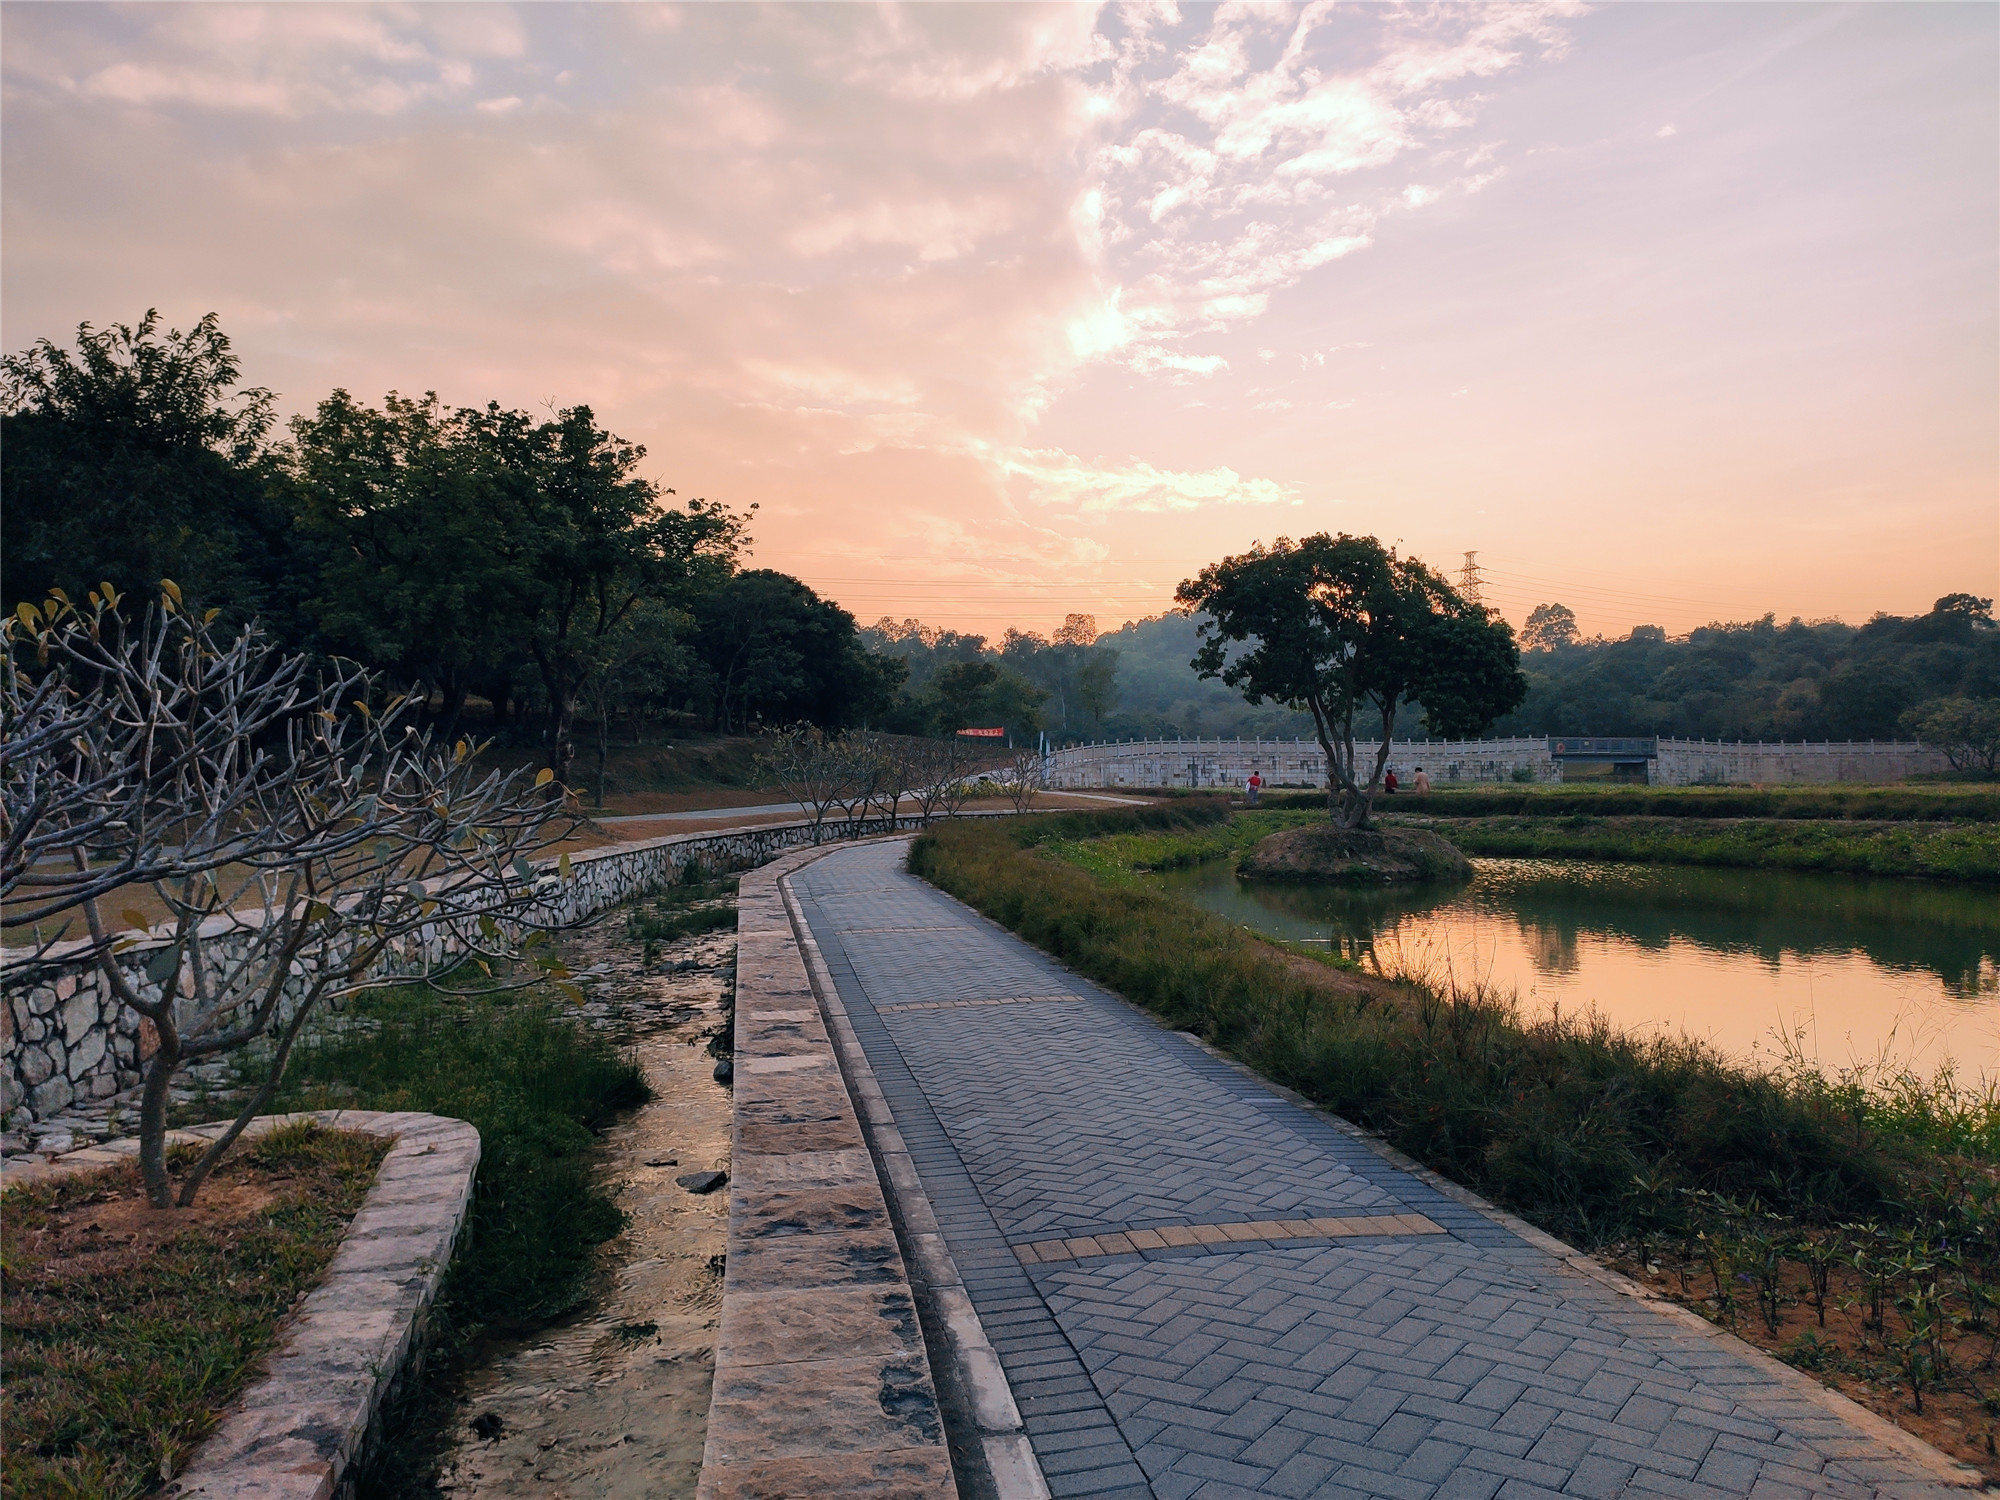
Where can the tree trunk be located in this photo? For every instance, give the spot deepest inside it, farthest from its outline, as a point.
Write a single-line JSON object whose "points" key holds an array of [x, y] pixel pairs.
{"points": [[455, 691], [153, 1109], [603, 745]]}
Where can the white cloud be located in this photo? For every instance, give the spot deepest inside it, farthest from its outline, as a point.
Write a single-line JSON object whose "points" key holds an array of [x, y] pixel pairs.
{"points": [[1052, 477], [1227, 184]]}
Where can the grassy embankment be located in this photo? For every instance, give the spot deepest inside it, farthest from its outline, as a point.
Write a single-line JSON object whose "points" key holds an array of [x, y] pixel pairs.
{"points": [[1738, 1182], [1874, 804], [538, 1088], [129, 1329], [1931, 851], [1945, 833]]}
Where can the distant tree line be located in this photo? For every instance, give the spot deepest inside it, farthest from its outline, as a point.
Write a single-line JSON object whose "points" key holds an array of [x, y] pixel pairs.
{"points": [[486, 553], [1824, 680], [1065, 683]]}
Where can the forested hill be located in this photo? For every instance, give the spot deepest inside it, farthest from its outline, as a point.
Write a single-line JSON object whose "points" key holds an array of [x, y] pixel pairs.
{"points": [[1159, 695], [1764, 680]]}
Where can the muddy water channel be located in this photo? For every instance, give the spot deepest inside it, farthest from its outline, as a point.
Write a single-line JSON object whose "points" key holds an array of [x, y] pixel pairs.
{"points": [[1837, 969], [613, 1402]]}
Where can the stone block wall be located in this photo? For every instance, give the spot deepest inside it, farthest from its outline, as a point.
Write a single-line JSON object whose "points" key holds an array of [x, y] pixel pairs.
{"points": [[1301, 763], [66, 1042], [1719, 763], [1285, 763]]}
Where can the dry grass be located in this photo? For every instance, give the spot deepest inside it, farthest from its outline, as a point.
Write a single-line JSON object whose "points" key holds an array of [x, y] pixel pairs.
{"points": [[129, 1328]]}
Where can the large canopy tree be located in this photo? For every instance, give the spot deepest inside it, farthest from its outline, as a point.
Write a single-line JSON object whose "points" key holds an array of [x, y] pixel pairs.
{"points": [[780, 654], [456, 542], [598, 540], [1341, 627], [420, 540], [137, 456]]}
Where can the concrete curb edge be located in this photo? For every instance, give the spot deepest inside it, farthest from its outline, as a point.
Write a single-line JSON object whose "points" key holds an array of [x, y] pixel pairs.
{"points": [[823, 1384], [1010, 1458]]}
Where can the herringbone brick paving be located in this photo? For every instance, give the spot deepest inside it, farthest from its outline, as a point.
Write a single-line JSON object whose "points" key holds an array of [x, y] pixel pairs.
{"points": [[1456, 1366]]}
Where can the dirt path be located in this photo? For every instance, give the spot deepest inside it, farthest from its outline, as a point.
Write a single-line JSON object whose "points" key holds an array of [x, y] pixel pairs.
{"points": [[614, 1403]]}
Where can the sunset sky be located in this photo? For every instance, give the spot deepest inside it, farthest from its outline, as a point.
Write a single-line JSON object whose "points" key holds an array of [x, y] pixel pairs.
{"points": [[1674, 312]]}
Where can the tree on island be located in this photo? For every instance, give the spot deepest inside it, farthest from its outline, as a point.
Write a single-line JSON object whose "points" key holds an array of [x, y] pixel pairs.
{"points": [[1340, 627]]}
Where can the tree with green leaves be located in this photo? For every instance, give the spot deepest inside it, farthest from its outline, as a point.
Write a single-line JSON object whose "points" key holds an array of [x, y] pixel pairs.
{"points": [[135, 456], [597, 539], [780, 654], [1966, 730], [983, 695], [1343, 628], [423, 561], [1549, 628]]}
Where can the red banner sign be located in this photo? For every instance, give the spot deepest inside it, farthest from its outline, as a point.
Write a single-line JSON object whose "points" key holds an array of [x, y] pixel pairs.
{"points": [[987, 734]]}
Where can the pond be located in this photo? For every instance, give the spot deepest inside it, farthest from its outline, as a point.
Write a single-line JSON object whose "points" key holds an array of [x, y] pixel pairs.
{"points": [[1839, 969]]}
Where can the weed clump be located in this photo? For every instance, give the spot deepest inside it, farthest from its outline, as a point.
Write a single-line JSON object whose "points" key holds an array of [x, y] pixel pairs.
{"points": [[538, 1088]]}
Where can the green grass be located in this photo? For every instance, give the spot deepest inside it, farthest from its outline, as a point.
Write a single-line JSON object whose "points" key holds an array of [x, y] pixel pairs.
{"points": [[1591, 1133], [644, 926], [120, 1359], [1119, 856], [538, 1087], [1944, 803], [1934, 851]]}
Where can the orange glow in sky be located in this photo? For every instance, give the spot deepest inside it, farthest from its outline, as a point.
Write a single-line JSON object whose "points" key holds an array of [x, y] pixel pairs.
{"points": [[1672, 312]]}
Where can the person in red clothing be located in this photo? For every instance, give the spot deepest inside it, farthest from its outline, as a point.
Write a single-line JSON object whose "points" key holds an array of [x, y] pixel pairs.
{"points": [[1255, 786], [1389, 783]]}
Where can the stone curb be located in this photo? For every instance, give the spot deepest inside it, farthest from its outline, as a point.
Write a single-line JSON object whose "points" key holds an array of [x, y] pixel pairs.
{"points": [[822, 1382], [292, 1434], [1010, 1458]]}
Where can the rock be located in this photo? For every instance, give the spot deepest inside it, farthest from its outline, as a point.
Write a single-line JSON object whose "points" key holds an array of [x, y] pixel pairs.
{"points": [[702, 1182], [79, 1017], [1355, 856], [86, 1054], [725, 1071]]}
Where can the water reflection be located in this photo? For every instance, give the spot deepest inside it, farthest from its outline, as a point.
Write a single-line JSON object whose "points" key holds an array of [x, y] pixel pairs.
{"points": [[1844, 968]]}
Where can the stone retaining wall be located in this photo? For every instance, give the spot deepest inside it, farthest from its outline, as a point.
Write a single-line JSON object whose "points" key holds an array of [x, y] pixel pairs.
{"points": [[822, 1383], [1744, 763], [67, 1042]]}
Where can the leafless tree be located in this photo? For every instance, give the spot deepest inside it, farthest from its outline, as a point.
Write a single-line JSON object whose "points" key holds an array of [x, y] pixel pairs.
{"points": [[1022, 778], [107, 730], [812, 770], [303, 845], [952, 772]]}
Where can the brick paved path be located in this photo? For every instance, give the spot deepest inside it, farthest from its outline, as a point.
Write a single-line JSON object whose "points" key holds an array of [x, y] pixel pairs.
{"points": [[1198, 1288]]}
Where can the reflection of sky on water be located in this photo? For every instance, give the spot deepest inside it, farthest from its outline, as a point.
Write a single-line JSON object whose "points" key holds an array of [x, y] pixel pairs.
{"points": [[1839, 967]]}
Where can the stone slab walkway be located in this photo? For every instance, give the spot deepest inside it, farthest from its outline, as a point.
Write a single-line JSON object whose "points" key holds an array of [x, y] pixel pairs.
{"points": [[1199, 1288]]}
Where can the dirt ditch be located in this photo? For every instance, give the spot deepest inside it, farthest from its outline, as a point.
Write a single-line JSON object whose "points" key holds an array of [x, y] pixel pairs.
{"points": [[614, 1402]]}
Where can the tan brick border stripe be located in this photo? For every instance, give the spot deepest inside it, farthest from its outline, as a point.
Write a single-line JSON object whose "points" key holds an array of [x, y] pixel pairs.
{"points": [[890, 1010], [1179, 1236]]}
